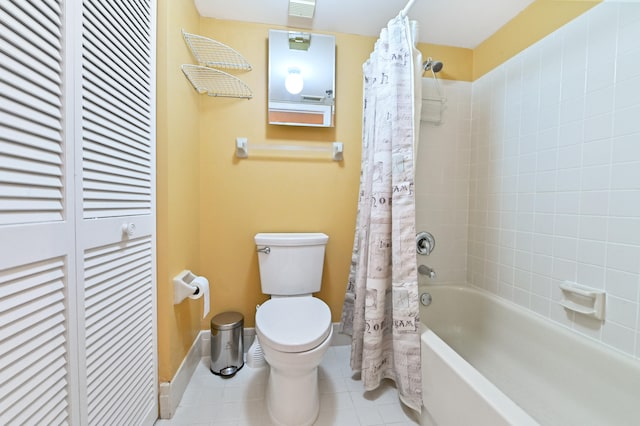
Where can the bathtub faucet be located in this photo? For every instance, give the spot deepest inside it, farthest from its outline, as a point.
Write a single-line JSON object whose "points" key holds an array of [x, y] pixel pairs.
{"points": [[425, 270]]}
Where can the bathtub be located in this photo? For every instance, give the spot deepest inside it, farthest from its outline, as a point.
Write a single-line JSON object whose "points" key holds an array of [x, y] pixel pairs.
{"points": [[486, 361]]}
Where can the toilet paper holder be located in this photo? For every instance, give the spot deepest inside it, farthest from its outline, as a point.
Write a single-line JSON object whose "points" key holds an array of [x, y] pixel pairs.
{"points": [[182, 287]]}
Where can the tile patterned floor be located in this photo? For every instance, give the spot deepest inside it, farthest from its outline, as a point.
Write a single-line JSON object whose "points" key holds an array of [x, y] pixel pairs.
{"points": [[213, 401]]}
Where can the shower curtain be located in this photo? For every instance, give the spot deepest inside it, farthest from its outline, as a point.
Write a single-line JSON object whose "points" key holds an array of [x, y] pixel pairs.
{"points": [[380, 309]]}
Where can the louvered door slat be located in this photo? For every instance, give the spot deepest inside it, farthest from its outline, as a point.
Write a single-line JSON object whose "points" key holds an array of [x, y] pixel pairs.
{"points": [[33, 99], [27, 151], [103, 373], [56, 416], [40, 21], [30, 296], [124, 183], [96, 132], [102, 117], [106, 187], [128, 163], [32, 36], [29, 140], [106, 170], [16, 121], [17, 163], [126, 112], [129, 22], [30, 179], [134, 408], [26, 71], [102, 339], [116, 106], [119, 49], [50, 411], [24, 344], [126, 296], [95, 286], [27, 55], [30, 192], [31, 122], [30, 372], [31, 315], [32, 112], [112, 404], [33, 346], [95, 68], [39, 383], [96, 144], [118, 290], [135, 22]]}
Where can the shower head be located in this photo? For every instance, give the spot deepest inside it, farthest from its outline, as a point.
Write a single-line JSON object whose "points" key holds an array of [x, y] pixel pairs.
{"points": [[431, 65]]}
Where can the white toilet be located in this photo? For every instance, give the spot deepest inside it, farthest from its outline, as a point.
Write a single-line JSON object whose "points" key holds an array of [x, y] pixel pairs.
{"points": [[293, 327]]}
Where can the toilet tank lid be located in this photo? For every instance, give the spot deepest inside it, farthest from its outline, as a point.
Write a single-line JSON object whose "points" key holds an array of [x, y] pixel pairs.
{"points": [[291, 238]]}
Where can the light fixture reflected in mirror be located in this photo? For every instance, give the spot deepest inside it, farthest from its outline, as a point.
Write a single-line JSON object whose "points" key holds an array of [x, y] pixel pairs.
{"points": [[301, 79], [294, 83]]}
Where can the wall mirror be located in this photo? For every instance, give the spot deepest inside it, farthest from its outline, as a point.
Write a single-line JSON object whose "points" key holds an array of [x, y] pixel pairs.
{"points": [[302, 68]]}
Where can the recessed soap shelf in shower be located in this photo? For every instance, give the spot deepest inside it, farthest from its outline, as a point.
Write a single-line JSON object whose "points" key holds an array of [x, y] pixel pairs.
{"points": [[583, 300]]}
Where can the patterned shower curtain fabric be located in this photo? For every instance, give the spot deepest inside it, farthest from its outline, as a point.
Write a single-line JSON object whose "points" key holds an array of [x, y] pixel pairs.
{"points": [[381, 303]]}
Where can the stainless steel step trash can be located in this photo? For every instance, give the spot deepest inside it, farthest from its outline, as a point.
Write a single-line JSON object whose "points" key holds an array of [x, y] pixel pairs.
{"points": [[227, 351]]}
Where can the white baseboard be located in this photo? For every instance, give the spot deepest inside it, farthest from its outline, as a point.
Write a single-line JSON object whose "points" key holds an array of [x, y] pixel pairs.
{"points": [[171, 392]]}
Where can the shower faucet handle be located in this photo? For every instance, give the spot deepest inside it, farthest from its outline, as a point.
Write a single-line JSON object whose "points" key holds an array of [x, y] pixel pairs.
{"points": [[425, 243]]}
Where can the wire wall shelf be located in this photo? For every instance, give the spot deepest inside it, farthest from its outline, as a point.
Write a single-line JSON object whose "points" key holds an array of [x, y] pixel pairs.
{"points": [[214, 82], [211, 53]]}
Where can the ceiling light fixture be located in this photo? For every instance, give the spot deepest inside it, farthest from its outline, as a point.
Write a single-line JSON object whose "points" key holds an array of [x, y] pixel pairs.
{"points": [[302, 8]]}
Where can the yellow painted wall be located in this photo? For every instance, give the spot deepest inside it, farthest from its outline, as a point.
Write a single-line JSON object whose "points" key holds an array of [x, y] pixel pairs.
{"points": [[541, 18], [178, 191], [458, 61], [241, 197]]}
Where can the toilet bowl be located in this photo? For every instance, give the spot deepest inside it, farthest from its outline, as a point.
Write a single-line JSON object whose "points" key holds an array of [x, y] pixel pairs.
{"points": [[295, 333]]}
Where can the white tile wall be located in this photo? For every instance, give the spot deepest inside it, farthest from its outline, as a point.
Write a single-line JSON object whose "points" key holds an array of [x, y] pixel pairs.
{"points": [[442, 178], [554, 184]]}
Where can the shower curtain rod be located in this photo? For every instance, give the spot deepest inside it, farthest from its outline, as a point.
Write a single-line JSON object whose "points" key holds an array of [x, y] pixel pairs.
{"points": [[405, 11]]}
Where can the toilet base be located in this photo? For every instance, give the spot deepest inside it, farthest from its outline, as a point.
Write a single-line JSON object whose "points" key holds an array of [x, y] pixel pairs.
{"points": [[293, 397], [293, 400]]}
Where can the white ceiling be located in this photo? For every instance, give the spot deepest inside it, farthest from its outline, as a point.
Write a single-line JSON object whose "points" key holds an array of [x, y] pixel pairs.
{"points": [[462, 23]]}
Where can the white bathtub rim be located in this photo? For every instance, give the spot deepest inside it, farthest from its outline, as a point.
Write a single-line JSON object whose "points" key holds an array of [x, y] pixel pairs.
{"points": [[620, 356], [502, 405]]}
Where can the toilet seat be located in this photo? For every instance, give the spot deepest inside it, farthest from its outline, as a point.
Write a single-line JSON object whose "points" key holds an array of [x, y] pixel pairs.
{"points": [[293, 324]]}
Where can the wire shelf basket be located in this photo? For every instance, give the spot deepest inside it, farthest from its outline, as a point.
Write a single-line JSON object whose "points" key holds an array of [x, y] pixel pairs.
{"points": [[212, 53], [215, 82]]}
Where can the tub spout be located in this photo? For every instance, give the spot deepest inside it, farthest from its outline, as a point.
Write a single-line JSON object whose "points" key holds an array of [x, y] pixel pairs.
{"points": [[425, 270]]}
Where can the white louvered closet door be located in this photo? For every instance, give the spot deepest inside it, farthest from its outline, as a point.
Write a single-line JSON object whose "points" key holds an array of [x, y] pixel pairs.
{"points": [[37, 283], [116, 215], [77, 294]]}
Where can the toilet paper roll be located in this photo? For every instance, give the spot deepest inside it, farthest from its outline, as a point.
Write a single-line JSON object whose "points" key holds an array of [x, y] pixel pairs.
{"points": [[202, 284]]}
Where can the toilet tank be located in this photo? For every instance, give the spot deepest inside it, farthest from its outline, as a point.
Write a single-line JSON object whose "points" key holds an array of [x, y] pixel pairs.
{"points": [[293, 264]]}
